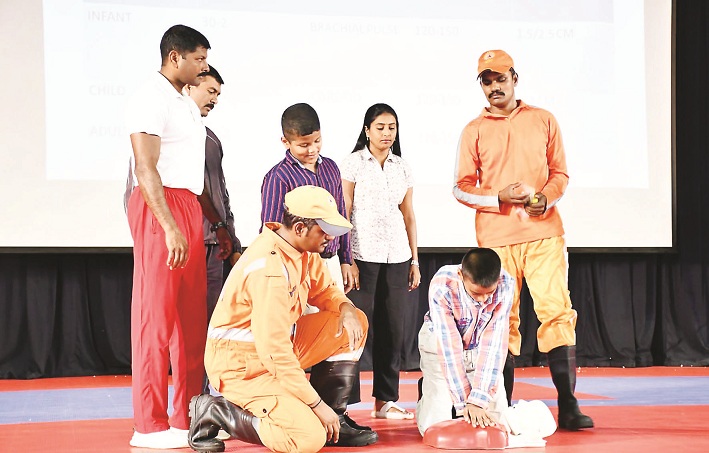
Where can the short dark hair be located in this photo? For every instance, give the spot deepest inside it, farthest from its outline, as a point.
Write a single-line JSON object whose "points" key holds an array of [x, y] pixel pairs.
{"points": [[299, 120], [291, 219], [369, 116], [212, 73], [513, 73], [182, 39], [482, 266]]}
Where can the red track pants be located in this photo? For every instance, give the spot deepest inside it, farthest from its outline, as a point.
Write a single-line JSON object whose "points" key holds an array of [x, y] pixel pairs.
{"points": [[168, 313]]}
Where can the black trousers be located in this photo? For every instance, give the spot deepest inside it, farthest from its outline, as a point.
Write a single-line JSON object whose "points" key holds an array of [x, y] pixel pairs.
{"points": [[217, 272], [383, 297]]}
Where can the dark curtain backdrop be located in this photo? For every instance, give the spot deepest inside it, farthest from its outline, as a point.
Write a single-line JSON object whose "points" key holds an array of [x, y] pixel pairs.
{"points": [[69, 314]]}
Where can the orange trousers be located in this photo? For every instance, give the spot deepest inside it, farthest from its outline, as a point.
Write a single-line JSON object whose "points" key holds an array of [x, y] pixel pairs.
{"points": [[286, 423], [544, 266], [168, 313]]}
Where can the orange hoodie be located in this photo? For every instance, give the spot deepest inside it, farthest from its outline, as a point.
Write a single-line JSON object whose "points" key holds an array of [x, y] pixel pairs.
{"points": [[495, 151]]}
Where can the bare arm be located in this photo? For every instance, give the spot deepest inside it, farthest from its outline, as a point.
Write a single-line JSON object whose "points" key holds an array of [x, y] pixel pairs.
{"points": [[407, 209], [348, 194], [329, 420], [208, 208], [146, 151]]}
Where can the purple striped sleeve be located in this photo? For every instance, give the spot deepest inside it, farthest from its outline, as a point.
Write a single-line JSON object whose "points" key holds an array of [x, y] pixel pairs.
{"points": [[273, 192], [332, 182]]}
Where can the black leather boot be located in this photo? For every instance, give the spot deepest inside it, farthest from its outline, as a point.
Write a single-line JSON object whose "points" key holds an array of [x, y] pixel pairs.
{"points": [[508, 376], [562, 364], [208, 414], [355, 395], [333, 382], [354, 398]]}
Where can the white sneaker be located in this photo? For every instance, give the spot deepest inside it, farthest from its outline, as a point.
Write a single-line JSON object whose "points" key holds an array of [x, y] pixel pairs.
{"points": [[162, 439], [180, 432]]}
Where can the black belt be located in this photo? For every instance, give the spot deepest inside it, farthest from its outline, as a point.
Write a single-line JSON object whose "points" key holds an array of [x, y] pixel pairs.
{"points": [[327, 255]]}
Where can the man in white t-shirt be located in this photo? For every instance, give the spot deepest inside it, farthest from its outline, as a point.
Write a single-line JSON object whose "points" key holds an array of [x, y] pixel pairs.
{"points": [[168, 311]]}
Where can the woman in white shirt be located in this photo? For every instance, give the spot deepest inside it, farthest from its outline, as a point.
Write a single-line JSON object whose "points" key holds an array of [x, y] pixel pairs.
{"points": [[378, 189]]}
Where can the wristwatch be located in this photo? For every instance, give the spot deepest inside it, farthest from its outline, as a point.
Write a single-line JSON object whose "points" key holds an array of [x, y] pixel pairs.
{"points": [[414, 263], [216, 225]]}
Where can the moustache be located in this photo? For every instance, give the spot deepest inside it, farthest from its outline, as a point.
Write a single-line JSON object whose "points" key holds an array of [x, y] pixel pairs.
{"points": [[211, 106], [496, 93]]}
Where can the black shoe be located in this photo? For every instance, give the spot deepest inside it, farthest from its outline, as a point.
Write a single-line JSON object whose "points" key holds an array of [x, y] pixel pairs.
{"points": [[353, 437], [354, 424]]}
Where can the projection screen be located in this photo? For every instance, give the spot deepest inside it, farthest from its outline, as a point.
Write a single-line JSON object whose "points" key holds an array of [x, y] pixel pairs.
{"points": [[603, 68]]}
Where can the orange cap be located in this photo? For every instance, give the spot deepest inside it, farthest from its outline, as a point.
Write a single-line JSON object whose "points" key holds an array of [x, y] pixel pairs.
{"points": [[313, 202], [495, 61]]}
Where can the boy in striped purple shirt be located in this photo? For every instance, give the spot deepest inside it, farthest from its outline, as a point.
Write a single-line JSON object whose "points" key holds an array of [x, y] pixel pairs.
{"points": [[463, 342], [303, 165]]}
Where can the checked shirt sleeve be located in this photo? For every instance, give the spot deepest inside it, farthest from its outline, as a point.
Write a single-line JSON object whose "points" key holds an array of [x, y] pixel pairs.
{"points": [[450, 344], [492, 345]]}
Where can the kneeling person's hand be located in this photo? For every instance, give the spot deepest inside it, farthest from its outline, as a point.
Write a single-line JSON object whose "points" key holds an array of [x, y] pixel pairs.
{"points": [[477, 416], [350, 322], [329, 420]]}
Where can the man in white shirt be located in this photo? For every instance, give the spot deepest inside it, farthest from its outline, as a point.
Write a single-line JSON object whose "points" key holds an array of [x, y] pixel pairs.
{"points": [[168, 312]]}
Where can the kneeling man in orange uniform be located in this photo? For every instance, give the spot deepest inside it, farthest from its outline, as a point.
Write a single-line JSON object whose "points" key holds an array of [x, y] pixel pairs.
{"points": [[260, 341]]}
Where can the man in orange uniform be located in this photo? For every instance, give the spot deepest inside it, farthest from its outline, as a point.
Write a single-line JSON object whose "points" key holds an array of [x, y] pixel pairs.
{"points": [[259, 341], [511, 168]]}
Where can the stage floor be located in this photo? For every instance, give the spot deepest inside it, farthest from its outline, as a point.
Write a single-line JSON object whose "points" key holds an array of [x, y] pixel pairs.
{"points": [[648, 410]]}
